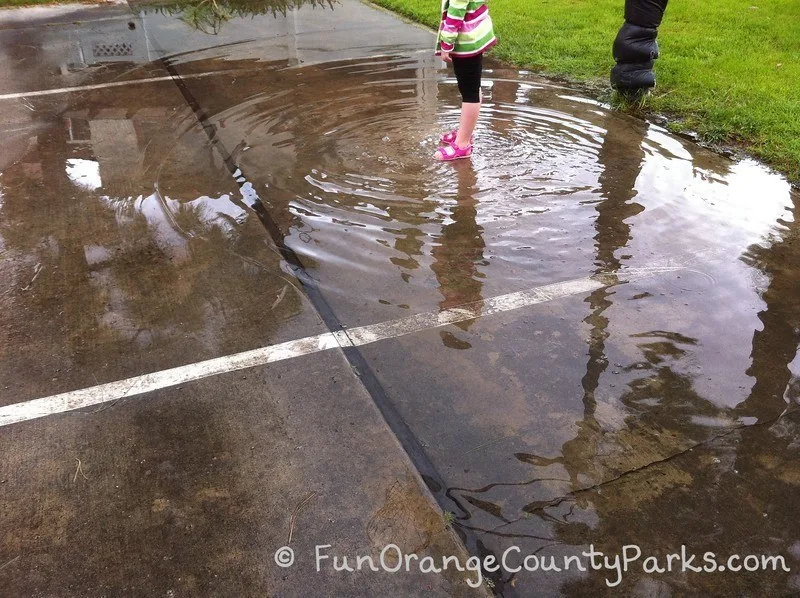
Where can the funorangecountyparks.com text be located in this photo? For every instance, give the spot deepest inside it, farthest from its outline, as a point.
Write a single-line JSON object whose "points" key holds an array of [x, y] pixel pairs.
{"points": [[393, 560]]}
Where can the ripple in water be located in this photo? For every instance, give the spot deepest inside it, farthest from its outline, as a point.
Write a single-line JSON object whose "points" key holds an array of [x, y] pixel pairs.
{"points": [[342, 156]]}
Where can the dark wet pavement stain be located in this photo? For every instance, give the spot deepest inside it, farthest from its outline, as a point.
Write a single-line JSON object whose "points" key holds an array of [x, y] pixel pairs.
{"points": [[660, 411], [127, 247]]}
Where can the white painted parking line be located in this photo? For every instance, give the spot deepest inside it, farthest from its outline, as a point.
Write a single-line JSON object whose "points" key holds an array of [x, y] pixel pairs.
{"points": [[139, 385], [394, 328], [79, 88]]}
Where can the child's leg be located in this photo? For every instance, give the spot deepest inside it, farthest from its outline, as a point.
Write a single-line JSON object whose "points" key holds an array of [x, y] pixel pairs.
{"points": [[468, 74]]}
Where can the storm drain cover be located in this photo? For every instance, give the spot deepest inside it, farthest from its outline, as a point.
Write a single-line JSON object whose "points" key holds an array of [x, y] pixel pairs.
{"points": [[102, 49]]}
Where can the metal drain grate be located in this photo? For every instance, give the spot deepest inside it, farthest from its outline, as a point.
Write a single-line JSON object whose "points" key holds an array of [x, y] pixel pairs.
{"points": [[101, 49]]}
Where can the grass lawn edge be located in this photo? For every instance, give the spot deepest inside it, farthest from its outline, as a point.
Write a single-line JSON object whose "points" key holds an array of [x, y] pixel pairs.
{"points": [[678, 122]]}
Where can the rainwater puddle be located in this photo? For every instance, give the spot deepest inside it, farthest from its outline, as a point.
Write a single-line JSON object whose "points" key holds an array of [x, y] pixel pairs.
{"points": [[559, 186], [526, 417]]}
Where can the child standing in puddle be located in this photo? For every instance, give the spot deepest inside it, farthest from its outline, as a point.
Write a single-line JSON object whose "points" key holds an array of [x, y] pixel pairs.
{"points": [[465, 33]]}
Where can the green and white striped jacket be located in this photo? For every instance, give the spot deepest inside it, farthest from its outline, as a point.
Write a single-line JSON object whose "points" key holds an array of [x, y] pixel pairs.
{"points": [[466, 28]]}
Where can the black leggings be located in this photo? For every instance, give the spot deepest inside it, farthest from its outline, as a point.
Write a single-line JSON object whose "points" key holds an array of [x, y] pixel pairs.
{"points": [[468, 74]]}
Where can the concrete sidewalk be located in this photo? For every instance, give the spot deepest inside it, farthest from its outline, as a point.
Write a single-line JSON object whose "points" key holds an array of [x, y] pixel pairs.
{"points": [[190, 490]]}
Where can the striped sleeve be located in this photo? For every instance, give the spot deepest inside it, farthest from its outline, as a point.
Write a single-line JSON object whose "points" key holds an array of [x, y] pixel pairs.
{"points": [[453, 21]]}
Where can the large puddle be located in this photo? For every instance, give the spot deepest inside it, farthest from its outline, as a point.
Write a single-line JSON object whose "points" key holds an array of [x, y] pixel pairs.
{"points": [[542, 427], [658, 411]]}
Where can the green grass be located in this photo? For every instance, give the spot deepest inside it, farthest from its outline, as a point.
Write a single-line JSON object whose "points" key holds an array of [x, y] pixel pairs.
{"points": [[729, 69]]}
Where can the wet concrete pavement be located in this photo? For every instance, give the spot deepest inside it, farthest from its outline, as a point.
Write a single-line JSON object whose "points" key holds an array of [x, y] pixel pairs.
{"points": [[274, 182], [128, 247]]}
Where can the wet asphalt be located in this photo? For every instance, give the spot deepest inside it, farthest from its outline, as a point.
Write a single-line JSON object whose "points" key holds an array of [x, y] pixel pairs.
{"points": [[269, 179]]}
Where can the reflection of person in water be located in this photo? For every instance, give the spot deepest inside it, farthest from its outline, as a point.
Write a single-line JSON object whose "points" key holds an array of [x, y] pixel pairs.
{"points": [[622, 158], [775, 346], [459, 252]]}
